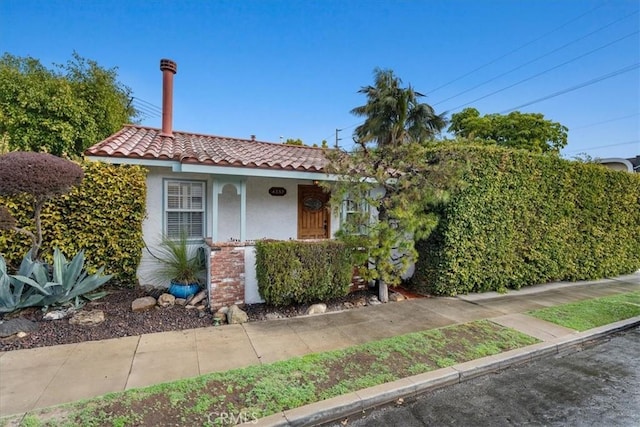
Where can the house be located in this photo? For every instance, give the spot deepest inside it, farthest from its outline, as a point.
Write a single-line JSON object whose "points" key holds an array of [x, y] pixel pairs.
{"points": [[620, 164], [225, 192]]}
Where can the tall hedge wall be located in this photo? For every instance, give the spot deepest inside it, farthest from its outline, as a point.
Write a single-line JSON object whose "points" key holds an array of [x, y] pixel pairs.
{"points": [[522, 219], [302, 272], [103, 216]]}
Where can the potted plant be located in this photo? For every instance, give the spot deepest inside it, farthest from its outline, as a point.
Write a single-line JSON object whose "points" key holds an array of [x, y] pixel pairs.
{"points": [[182, 264]]}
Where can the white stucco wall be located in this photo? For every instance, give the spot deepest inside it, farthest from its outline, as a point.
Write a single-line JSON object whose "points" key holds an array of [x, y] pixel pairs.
{"points": [[272, 217], [153, 225]]}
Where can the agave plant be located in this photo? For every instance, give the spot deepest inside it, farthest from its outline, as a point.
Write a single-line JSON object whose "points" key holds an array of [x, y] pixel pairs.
{"points": [[14, 294], [34, 286], [70, 280]]}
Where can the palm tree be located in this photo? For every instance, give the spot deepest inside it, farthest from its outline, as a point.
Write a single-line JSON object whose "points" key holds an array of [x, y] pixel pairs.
{"points": [[394, 119], [394, 115]]}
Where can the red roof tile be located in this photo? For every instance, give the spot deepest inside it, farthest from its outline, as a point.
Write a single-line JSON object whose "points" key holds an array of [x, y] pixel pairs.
{"points": [[138, 142]]}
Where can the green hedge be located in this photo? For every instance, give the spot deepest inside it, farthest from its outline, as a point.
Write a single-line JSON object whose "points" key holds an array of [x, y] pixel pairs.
{"points": [[522, 219], [103, 216], [302, 272]]}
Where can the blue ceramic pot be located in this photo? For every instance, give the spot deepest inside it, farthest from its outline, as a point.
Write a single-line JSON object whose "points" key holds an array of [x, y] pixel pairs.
{"points": [[180, 290]]}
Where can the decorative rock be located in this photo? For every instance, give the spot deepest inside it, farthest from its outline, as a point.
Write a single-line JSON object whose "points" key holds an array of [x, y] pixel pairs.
{"points": [[198, 297], [143, 304], [396, 296], [273, 316], [21, 334], [236, 316], [87, 318], [17, 325], [189, 307], [374, 301], [348, 305], [154, 291], [181, 301], [317, 309], [57, 314], [166, 300], [224, 310], [201, 307], [360, 302], [219, 318]]}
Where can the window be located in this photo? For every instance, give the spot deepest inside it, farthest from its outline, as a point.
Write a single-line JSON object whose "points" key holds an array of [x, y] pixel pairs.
{"points": [[355, 216], [184, 208]]}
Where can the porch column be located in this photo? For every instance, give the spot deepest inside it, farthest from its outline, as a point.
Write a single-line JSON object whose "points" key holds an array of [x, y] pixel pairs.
{"points": [[217, 188], [243, 210]]}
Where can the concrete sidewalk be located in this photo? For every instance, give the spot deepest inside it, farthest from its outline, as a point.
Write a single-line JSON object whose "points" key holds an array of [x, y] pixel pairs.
{"points": [[47, 376]]}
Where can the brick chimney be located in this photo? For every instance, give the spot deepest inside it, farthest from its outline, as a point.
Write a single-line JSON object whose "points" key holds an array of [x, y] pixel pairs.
{"points": [[168, 68]]}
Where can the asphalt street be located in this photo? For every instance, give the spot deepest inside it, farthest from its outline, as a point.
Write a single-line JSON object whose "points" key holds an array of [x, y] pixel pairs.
{"points": [[599, 386]]}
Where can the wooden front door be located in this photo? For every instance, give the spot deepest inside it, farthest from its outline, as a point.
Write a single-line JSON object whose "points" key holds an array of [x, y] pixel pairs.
{"points": [[313, 212]]}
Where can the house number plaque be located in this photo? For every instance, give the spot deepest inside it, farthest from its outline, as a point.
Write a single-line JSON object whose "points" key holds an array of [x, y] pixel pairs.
{"points": [[277, 191]]}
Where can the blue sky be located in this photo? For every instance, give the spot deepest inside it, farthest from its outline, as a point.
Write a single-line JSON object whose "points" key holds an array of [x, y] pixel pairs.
{"points": [[293, 68]]}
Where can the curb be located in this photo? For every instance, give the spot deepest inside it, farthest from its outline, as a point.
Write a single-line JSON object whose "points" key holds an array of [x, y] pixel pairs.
{"points": [[357, 402]]}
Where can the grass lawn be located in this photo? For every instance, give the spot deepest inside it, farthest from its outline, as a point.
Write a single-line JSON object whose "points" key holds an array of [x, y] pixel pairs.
{"points": [[257, 391], [592, 313]]}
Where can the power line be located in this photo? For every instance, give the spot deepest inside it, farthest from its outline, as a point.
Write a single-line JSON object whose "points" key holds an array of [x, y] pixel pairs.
{"points": [[537, 58], [515, 50], [615, 119], [635, 141], [546, 71], [576, 87], [148, 104]]}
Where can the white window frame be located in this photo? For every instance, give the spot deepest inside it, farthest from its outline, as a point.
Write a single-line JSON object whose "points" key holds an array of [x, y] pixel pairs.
{"points": [[351, 207], [188, 202]]}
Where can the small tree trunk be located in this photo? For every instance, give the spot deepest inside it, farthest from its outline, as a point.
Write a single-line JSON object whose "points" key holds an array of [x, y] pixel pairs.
{"points": [[383, 291], [37, 241]]}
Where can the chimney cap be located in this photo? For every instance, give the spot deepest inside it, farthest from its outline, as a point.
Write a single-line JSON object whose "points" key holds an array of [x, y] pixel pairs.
{"points": [[168, 65]]}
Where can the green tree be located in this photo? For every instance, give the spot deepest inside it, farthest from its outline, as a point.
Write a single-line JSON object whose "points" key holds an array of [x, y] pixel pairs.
{"points": [[62, 110], [386, 181], [39, 177], [530, 131], [291, 141]]}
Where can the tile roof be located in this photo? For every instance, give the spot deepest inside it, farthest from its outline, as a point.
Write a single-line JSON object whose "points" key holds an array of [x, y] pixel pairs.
{"points": [[139, 142]]}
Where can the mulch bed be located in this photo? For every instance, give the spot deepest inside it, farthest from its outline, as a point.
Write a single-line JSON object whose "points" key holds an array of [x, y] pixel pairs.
{"points": [[121, 321]]}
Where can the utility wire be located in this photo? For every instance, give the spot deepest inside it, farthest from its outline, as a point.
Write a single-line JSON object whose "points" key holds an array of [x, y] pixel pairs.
{"points": [[515, 50], [148, 104], [615, 119], [635, 141], [578, 86], [537, 58], [546, 71]]}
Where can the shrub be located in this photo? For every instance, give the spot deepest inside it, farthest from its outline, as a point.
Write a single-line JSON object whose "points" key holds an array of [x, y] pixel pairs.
{"points": [[302, 272], [524, 219], [102, 216], [38, 177]]}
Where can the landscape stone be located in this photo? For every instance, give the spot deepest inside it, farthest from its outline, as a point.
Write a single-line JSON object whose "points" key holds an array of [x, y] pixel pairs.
{"points": [[360, 302], [317, 309], [166, 300], [21, 334], [396, 296], [16, 325], [181, 301], [87, 318], [224, 310], [236, 316], [143, 304], [57, 314], [219, 318], [374, 301], [198, 297]]}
